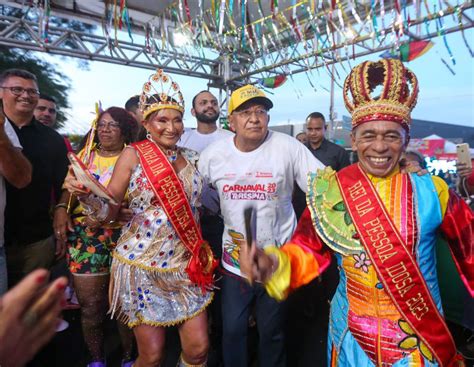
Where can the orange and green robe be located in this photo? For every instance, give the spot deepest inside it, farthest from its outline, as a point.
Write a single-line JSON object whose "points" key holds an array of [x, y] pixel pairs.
{"points": [[366, 329]]}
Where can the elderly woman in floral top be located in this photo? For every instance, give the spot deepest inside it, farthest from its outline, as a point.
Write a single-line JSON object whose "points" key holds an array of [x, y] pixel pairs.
{"points": [[89, 249]]}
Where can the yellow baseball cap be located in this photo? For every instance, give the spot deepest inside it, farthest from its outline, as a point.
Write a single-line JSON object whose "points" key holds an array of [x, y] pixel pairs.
{"points": [[246, 93]]}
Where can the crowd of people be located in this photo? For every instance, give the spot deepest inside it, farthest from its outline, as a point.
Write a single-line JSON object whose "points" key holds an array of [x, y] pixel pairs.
{"points": [[335, 267]]}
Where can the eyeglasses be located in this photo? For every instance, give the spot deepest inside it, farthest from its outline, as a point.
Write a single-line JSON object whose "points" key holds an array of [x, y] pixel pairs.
{"points": [[108, 125], [246, 114], [18, 91]]}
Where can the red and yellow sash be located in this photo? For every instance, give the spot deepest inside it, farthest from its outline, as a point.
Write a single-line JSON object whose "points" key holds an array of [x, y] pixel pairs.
{"points": [[394, 263], [172, 197]]}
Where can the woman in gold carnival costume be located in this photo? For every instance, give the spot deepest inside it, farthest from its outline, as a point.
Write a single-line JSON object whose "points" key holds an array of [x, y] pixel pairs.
{"points": [[89, 250], [162, 269], [382, 225]]}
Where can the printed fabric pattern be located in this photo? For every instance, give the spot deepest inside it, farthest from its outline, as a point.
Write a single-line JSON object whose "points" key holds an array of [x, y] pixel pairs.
{"points": [[366, 328], [90, 251]]}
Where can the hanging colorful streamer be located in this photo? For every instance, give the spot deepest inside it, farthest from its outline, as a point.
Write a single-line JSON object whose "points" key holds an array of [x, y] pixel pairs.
{"points": [[124, 17], [214, 9], [188, 14], [116, 22], [374, 18], [179, 13], [148, 37], [461, 26], [274, 7], [108, 24], [243, 17], [294, 22], [441, 32], [442, 60], [122, 7], [221, 16], [250, 32], [86, 156], [260, 9], [448, 66], [47, 12], [44, 11], [399, 20], [345, 31], [395, 38], [382, 17], [307, 73]]}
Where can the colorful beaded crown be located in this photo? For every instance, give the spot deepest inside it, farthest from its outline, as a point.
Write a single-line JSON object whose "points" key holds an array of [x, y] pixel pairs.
{"points": [[159, 92], [399, 90]]}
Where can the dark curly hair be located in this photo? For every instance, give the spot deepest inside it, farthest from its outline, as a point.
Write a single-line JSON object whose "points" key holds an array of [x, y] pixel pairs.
{"points": [[128, 125]]}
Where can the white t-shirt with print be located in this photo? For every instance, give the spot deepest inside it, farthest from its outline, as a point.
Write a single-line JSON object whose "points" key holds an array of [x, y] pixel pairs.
{"points": [[192, 139], [264, 179], [16, 143]]}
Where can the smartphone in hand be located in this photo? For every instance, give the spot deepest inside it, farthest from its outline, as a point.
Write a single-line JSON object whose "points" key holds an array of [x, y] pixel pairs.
{"points": [[464, 155]]}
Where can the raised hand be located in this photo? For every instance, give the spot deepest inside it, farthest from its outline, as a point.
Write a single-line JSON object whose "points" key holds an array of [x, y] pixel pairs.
{"points": [[463, 169], [29, 314], [412, 167]]}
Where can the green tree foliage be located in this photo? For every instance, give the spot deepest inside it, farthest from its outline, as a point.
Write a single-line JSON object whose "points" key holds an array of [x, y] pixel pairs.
{"points": [[75, 140], [51, 80]]}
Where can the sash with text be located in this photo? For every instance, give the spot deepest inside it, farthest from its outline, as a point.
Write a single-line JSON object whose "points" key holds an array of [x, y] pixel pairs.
{"points": [[172, 197], [393, 261]]}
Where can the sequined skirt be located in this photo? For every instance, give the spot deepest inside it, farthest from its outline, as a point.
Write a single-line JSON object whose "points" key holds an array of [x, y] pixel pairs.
{"points": [[156, 298]]}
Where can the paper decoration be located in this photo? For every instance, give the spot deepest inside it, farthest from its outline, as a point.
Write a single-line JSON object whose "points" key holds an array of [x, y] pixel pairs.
{"points": [[409, 51], [273, 82]]}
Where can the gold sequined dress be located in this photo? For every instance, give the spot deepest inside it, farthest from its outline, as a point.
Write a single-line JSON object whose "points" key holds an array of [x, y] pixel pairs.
{"points": [[149, 284]]}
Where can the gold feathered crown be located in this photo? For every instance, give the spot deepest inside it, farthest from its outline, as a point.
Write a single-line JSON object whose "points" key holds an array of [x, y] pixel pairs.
{"points": [[159, 92], [399, 91]]}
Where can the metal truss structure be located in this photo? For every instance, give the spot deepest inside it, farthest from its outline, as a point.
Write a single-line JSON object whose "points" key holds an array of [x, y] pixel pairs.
{"points": [[338, 43], [22, 33]]}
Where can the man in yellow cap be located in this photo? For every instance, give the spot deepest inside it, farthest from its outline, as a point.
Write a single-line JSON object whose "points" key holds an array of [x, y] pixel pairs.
{"points": [[382, 226], [255, 168]]}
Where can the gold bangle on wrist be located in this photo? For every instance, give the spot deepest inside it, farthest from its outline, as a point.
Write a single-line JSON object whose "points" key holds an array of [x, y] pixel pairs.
{"points": [[61, 205]]}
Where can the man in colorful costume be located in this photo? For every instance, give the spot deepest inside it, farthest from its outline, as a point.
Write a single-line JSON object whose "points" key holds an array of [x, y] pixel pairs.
{"points": [[382, 226]]}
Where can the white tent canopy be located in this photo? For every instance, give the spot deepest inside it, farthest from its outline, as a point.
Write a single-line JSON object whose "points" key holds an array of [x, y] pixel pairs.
{"points": [[449, 147]]}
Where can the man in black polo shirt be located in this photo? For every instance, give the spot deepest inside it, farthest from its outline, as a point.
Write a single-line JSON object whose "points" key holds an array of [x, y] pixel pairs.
{"points": [[29, 239], [329, 153], [307, 330]]}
